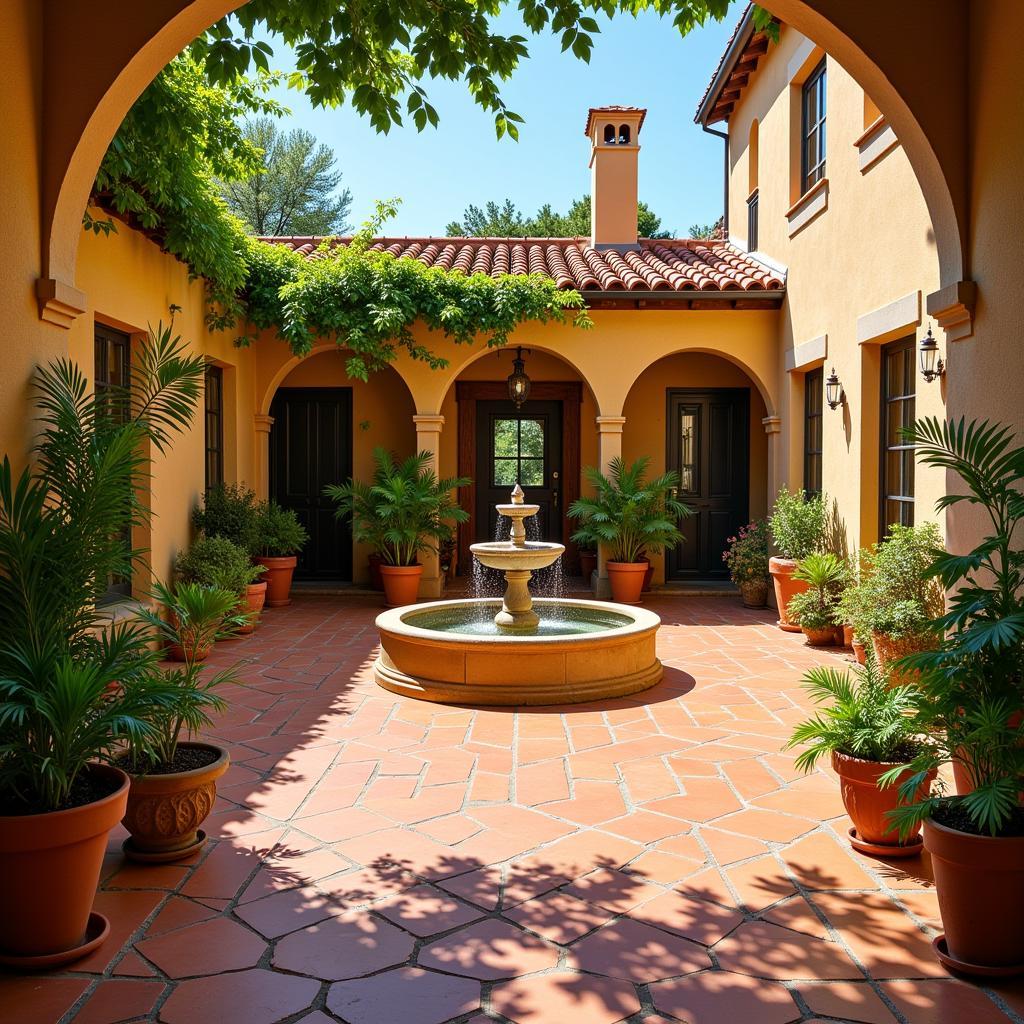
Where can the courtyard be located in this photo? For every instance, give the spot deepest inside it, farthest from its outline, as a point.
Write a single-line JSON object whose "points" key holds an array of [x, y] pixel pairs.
{"points": [[375, 859]]}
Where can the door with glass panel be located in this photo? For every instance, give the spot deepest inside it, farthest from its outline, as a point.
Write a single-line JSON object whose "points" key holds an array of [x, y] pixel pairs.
{"points": [[708, 445]]}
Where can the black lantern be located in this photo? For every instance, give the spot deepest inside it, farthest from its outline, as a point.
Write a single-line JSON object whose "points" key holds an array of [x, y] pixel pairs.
{"points": [[833, 390], [518, 382], [931, 365]]}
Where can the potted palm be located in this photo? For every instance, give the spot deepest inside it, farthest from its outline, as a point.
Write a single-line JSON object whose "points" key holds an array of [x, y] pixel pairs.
{"points": [[174, 782], [72, 688], [747, 558], [217, 562], [866, 729], [972, 706], [797, 524], [632, 516], [814, 609], [279, 537], [405, 510]]}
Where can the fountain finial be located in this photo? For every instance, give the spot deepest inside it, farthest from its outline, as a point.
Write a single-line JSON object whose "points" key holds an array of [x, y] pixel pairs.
{"points": [[517, 495]]}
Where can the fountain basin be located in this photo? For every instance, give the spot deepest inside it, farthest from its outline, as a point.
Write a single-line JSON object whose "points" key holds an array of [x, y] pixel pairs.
{"points": [[451, 652]]}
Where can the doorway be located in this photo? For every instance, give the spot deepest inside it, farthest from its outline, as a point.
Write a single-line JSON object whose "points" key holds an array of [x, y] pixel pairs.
{"points": [[311, 447], [708, 445]]}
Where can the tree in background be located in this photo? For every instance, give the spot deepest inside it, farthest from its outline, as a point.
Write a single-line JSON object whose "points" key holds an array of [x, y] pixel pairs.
{"points": [[295, 192], [494, 221], [708, 232]]}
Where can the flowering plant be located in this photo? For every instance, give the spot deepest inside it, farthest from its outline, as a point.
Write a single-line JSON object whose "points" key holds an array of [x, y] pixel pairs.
{"points": [[747, 554]]}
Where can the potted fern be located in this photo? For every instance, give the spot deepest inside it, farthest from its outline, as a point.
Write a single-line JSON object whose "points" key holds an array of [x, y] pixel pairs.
{"points": [[631, 516], [404, 511], [797, 524], [814, 609], [217, 562], [279, 538]]}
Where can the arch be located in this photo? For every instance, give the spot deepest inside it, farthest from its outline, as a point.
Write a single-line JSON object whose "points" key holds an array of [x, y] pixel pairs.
{"points": [[752, 156], [609, 135], [624, 134]]}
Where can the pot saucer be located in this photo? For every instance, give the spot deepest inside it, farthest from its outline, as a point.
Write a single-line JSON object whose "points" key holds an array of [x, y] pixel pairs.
{"points": [[977, 970], [162, 856], [911, 849], [788, 627], [96, 932]]}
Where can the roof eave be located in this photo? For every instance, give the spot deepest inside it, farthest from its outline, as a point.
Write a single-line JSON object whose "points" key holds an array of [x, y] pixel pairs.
{"points": [[775, 295], [738, 43]]}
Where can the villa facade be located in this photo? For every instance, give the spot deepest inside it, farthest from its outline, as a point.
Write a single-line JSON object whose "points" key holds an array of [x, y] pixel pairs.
{"points": [[710, 357]]}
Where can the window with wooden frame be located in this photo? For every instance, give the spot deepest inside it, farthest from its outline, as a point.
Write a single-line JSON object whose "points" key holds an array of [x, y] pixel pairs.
{"points": [[814, 390], [752, 222], [214, 406], [899, 383], [812, 129]]}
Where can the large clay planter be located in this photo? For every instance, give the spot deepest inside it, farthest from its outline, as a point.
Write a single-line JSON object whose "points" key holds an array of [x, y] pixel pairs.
{"points": [[626, 580], [252, 605], [401, 584], [888, 649], [754, 593], [868, 805], [786, 588], [279, 578], [49, 870], [165, 811], [963, 774], [823, 637], [979, 881], [588, 565]]}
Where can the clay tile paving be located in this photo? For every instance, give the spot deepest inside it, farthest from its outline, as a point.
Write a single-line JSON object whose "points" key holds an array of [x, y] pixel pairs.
{"points": [[380, 860]]}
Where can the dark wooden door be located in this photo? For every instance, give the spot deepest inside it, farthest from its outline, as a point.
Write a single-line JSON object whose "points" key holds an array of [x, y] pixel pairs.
{"points": [[311, 447], [521, 446], [708, 444]]}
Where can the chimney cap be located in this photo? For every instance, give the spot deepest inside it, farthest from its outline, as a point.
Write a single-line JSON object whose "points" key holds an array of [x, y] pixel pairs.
{"points": [[614, 109]]}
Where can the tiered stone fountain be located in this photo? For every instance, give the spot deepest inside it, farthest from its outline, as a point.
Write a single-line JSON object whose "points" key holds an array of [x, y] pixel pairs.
{"points": [[519, 650]]}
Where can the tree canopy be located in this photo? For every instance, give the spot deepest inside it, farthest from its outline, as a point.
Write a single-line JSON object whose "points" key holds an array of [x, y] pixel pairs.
{"points": [[295, 190], [507, 220]]}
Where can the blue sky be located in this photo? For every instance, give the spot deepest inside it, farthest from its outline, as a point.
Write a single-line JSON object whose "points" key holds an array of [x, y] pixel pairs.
{"points": [[437, 172]]}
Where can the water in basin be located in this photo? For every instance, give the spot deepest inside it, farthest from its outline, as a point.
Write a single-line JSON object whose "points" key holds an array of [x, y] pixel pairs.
{"points": [[555, 620]]}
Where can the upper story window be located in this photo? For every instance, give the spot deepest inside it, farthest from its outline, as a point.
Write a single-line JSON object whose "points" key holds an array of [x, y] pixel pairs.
{"points": [[752, 222], [814, 389], [899, 386], [812, 129], [214, 425]]}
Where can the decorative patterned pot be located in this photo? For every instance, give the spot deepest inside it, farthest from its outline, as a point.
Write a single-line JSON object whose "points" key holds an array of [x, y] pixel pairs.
{"points": [[279, 578], [252, 605], [786, 588], [401, 584], [627, 581], [823, 637], [754, 593], [165, 811], [888, 649]]}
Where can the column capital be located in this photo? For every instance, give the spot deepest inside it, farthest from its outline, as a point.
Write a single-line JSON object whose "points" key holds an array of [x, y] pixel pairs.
{"points": [[953, 307], [428, 423], [263, 423], [610, 424], [772, 424], [59, 302]]}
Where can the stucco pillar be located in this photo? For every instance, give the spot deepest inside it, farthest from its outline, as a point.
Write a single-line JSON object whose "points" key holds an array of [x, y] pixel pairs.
{"points": [[776, 457], [609, 446], [428, 439], [261, 471]]}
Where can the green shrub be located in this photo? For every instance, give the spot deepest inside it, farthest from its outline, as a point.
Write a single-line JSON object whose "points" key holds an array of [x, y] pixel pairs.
{"points": [[854, 605], [278, 531], [825, 575], [798, 523], [230, 511], [216, 562]]}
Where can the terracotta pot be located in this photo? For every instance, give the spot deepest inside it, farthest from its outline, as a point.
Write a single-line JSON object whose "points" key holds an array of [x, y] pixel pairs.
{"points": [[979, 881], [252, 605], [164, 811], [963, 774], [401, 584], [279, 579], [844, 635], [188, 648], [786, 588], [888, 649], [823, 637], [868, 805], [375, 561], [627, 581], [49, 870], [588, 565], [860, 652], [754, 593], [648, 574]]}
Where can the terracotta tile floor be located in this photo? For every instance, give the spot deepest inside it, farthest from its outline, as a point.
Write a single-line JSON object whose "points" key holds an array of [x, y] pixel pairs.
{"points": [[375, 860]]}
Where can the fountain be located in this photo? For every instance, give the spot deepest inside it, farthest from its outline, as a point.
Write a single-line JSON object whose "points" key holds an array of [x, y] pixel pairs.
{"points": [[530, 651]]}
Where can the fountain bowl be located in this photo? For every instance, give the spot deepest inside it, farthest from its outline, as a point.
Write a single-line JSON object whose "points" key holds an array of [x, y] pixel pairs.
{"points": [[450, 652], [500, 554]]}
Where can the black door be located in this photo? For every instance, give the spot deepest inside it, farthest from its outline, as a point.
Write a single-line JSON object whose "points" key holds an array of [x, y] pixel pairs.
{"points": [[709, 446], [521, 446], [311, 447]]}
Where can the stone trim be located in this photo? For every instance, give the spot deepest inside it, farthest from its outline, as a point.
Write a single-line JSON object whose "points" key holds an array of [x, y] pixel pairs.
{"points": [[428, 423], [772, 424], [610, 424], [59, 302], [877, 140], [807, 356], [953, 308], [893, 320], [812, 203], [263, 423]]}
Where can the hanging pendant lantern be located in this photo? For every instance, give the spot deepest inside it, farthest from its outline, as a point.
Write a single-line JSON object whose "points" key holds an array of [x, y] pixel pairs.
{"points": [[518, 381]]}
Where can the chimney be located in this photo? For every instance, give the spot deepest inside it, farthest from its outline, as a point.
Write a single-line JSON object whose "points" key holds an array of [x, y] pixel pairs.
{"points": [[614, 134]]}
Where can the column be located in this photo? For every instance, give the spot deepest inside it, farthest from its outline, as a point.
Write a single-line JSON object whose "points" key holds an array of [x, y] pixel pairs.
{"points": [[261, 471], [428, 439], [776, 457], [609, 446]]}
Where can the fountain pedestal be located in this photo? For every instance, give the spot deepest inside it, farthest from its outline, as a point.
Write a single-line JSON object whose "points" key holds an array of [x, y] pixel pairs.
{"points": [[517, 604]]}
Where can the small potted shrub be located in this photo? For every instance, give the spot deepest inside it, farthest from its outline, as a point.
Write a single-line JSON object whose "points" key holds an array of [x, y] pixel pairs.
{"points": [[174, 783], [632, 516], [279, 537], [406, 510], [797, 524], [217, 562], [973, 702], [230, 511], [814, 609], [747, 558], [854, 608], [865, 728]]}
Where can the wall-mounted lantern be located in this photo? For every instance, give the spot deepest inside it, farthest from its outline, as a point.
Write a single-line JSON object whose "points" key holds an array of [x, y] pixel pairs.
{"points": [[833, 390], [931, 365], [518, 381]]}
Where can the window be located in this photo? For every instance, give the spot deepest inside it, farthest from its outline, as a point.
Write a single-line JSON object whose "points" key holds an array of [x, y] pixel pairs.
{"points": [[752, 223], [214, 425], [814, 389], [111, 380], [812, 134], [899, 378], [517, 447]]}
